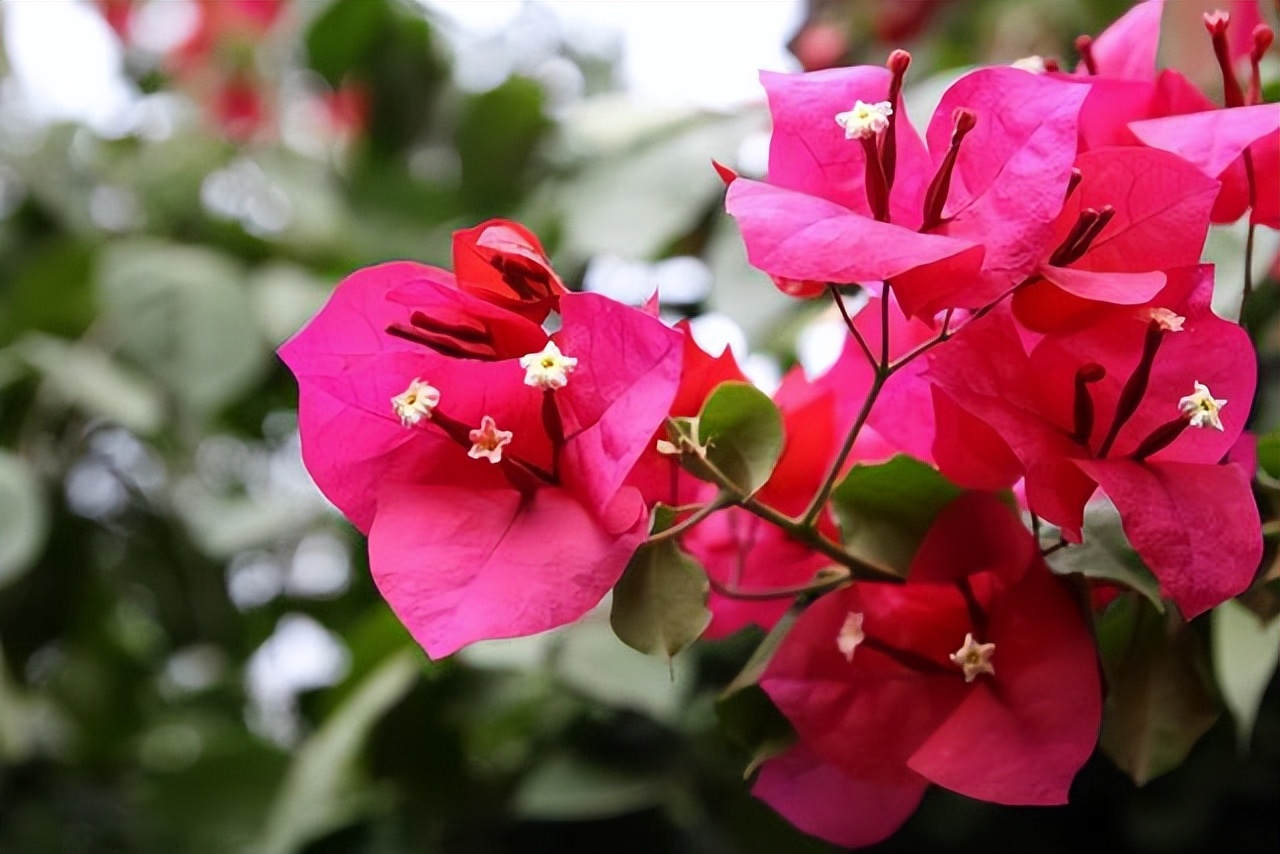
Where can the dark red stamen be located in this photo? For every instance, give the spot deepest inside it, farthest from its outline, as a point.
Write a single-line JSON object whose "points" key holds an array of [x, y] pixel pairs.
{"points": [[1074, 181], [1091, 223], [1263, 36], [1160, 438], [1082, 405], [1085, 221], [877, 185], [935, 199], [1084, 47], [1051, 64], [459, 337], [1216, 23], [1135, 388], [528, 279], [898, 62]]}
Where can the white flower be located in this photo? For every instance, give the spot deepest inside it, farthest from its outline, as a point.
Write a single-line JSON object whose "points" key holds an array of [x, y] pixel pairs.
{"points": [[549, 369], [974, 658], [1168, 320], [1201, 408], [488, 441], [415, 403], [865, 120], [850, 635]]}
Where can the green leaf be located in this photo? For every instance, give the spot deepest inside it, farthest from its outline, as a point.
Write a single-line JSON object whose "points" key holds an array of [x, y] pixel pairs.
{"points": [[51, 291], [564, 787], [1269, 454], [885, 510], [89, 380], [323, 788], [591, 660], [182, 313], [744, 710], [750, 718], [1245, 652], [741, 430], [24, 523], [660, 603], [1160, 701], [388, 48], [495, 141], [1106, 555]]}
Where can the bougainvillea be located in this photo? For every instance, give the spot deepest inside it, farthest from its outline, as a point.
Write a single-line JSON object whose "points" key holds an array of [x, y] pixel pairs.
{"points": [[1039, 333]]}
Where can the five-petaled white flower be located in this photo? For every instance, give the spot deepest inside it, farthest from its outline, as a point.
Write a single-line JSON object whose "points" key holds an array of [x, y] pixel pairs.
{"points": [[1201, 408], [865, 120], [549, 369], [416, 402]]}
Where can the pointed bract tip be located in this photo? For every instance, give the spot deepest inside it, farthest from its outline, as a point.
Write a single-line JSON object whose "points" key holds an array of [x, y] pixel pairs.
{"points": [[726, 174]]}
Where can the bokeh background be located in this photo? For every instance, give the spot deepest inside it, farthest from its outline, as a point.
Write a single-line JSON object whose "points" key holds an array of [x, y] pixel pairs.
{"points": [[192, 656]]}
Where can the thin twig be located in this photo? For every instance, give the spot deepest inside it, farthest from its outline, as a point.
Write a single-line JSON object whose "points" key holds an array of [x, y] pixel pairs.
{"points": [[848, 322]]}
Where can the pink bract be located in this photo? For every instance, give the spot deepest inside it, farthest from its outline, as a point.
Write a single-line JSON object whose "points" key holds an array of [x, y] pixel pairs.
{"points": [[463, 548]]}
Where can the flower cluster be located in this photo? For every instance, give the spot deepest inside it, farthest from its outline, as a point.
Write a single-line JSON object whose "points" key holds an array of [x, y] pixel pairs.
{"points": [[1040, 332]]}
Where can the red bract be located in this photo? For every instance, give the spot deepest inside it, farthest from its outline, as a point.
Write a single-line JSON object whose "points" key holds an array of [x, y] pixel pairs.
{"points": [[503, 262], [855, 197], [1116, 405], [978, 675], [484, 458]]}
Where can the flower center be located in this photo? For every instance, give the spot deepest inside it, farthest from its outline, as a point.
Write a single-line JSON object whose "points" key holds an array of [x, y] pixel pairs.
{"points": [[974, 658], [415, 403]]}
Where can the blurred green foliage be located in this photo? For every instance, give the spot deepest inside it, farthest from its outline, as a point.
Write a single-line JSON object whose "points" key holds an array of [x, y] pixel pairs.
{"points": [[194, 658]]}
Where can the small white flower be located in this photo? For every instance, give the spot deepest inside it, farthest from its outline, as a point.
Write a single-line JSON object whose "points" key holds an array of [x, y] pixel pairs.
{"points": [[1168, 320], [1201, 408], [974, 658], [850, 635], [865, 120], [415, 403], [488, 441], [549, 369]]}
